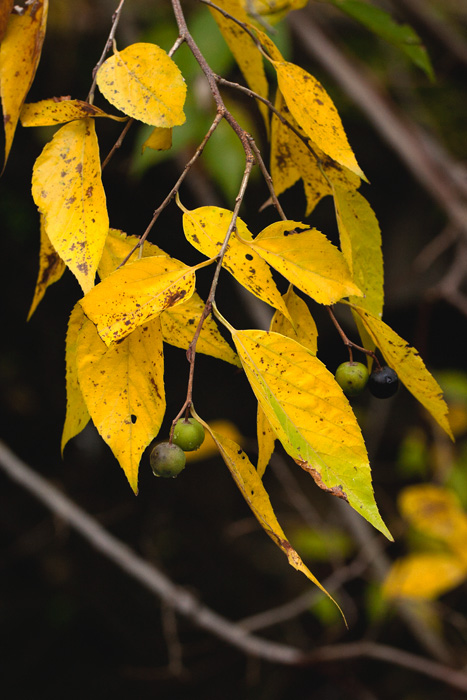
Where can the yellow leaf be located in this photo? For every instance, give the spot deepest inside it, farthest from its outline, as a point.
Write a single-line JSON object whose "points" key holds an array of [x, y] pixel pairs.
{"points": [[266, 442], [160, 139], [360, 238], [6, 7], [436, 512], [310, 416], [409, 366], [145, 83], [58, 110], [304, 329], [51, 268], [20, 52], [77, 414], [253, 491], [178, 322], [291, 160], [244, 50], [206, 227], [67, 189], [315, 112], [209, 448], [272, 10], [135, 293], [425, 576], [307, 259], [123, 387]]}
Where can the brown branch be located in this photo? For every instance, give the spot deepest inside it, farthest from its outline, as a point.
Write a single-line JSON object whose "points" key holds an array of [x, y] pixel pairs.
{"points": [[108, 44]]}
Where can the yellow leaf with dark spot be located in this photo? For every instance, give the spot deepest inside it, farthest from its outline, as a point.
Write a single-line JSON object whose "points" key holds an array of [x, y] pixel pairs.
{"points": [[310, 416], [159, 139], [59, 111], [20, 52], [178, 322], [206, 227], [266, 441], [51, 268], [250, 485], [293, 158], [77, 414], [307, 259], [137, 292], [67, 189], [409, 366], [145, 83], [123, 387], [315, 112]]}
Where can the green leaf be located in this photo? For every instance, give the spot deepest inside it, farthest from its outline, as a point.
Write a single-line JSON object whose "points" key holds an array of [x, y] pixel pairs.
{"points": [[310, 416], [381, 23]]}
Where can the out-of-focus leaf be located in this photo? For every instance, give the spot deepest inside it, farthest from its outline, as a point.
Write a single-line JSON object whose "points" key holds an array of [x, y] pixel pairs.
{"points": [[59, 110], [307, 259], [77, 414], [381, 23], [20, 52], [271, 11], [206, 227], [51, 268], [249, 59], [144, 83], [424, 575], [310, 416], [67, 189], [136, 293], [123, 387], [209, 448], [409, 366]]}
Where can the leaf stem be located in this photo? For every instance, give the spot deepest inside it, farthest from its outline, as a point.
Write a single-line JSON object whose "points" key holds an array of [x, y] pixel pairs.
{"points": [[349, 343]]}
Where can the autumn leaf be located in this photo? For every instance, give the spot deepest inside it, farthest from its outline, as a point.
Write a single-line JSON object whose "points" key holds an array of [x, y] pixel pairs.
{"points": [[294, 158], [250, 485], [160, 139], [424, 575], [77, 414], [123, 387], [409, 366], [20, 52], [266, 441], [304, 329], [144, 83], [307, 259], [5, 8], [137, 292], [310, 416], [67, 189], [206, 227], [179, 322], [59, 111], [51, 269], [272, 11], [244, 50], [360, 238]]}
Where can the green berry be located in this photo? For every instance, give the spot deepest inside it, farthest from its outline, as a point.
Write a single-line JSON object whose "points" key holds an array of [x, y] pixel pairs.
{"points": [[383, 382], [167, 460], [352, 377], [188, 434]]}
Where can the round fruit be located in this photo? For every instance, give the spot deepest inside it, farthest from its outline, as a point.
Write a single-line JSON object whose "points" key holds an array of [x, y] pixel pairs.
{"points": [[383, 383], [352, 377], [167, 460], [188, 434]]}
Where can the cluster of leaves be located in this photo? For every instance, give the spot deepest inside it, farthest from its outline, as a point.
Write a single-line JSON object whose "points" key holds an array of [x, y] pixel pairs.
{"points": [[145, 298]]}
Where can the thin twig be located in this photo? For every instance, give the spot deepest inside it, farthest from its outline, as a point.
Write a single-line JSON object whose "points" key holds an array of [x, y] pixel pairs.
{"points": [[108, 44]]}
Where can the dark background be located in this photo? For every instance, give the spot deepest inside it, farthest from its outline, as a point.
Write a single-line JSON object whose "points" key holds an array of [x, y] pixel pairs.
{"points": [[71, 622]]}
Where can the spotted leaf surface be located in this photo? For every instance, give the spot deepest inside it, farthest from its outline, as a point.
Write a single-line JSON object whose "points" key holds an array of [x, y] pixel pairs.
{"points": [[59, 111]]}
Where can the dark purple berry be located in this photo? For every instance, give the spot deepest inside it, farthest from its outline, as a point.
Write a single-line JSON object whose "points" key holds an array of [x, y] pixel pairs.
{"points": [[383, 383]]}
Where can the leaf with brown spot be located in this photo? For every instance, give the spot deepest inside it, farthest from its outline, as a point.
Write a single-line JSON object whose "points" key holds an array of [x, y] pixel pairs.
{"points": [[59, 111], [20, 52], [123, 387], [77, 414], [136, 293], [68, 191], [51, 269]]}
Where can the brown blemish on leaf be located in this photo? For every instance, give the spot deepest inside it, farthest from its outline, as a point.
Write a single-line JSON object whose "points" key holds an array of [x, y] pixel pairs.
{"points": [[333, 490]]}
